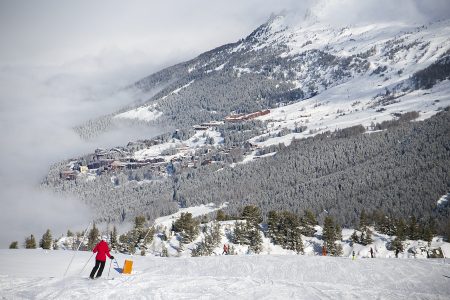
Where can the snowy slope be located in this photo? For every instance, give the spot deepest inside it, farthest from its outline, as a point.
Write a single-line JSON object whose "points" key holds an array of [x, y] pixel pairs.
{"points": [[342, 71], [36, 274]]}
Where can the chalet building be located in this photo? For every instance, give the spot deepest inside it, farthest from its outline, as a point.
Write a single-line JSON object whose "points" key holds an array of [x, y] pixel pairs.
{"points": [[84, 169], [246, 117], [117, 165], [206, 162], [200, 127], [213, 124], [68, 175], [94, 165]]}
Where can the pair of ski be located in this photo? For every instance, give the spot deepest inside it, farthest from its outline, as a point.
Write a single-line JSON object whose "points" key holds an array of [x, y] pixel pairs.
{"points": [[97, 278]]}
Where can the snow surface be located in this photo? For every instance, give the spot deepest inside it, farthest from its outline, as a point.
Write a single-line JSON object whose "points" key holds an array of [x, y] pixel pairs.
{"points": [[443, 200], [335, 109], [196, 211], [38, 274], [199, 139], [144, 113], [274, 274]]}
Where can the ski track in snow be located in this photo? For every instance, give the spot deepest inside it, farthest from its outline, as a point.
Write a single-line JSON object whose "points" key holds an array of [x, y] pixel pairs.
{"points": [[37, 274]]}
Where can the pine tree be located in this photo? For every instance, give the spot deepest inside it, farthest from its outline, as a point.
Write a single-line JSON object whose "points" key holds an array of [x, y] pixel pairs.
{"points": [[397, 244], [413, 230], [338, 232], [240, 233], [255, 240], [447, 231], [30, 243], [69, 233], [46, 241], [14, 245], [220, 215], [252, 214], [366, 237], [113, 239], [272, 227], [400, 230], [427, 234], [354, 237], [210, 241], [328, 232], [93, 237], [363, 221], [308, 222], [187, 227], [330, 236]]}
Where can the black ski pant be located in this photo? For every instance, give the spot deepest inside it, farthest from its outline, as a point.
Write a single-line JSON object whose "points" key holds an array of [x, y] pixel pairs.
{"points": [[98, 263]]}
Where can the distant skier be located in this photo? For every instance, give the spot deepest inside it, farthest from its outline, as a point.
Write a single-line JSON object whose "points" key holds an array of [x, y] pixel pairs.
{"points": [[371, 252], [396, 252], [225, 249], [102, 250], [353, 255]]}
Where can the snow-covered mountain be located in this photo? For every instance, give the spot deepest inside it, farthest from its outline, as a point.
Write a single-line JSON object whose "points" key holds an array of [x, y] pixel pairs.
{"points": [[289, 80], [283, 61]]}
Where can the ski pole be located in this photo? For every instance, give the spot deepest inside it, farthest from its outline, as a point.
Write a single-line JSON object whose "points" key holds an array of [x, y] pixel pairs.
{"points": [[118, 267], [110, 263], [86, 263], [73, 256]]}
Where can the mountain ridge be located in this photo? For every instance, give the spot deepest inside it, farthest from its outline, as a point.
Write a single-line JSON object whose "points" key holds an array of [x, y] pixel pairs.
{"points": [[314, 81]]}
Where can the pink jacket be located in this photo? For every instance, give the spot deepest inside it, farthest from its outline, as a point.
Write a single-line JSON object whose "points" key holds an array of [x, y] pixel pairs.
{"points": [[102, 250]]}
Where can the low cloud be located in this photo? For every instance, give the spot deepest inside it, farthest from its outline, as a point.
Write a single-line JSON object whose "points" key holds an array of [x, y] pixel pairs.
{"points": [[346, 12], [39, 108]]}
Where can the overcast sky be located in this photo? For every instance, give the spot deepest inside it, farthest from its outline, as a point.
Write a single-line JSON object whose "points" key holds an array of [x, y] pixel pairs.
{"points": [[61, 61]]}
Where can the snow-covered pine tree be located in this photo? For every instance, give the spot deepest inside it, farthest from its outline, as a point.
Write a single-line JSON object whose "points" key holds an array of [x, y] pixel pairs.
{"points": [[447, 231], [220, 215], [273, 231], [55, 244], [413, 229], [252, 214], [187, 227], [400, 229], [366, 233], [330, 237], [133, 239], [113, 238], [93, 237], [46, 241], [289, 231], [308, 221], [255, 239], [210, 241], [240, 233], [354, 237], [30, 242], [366, 237], [363, 220]]}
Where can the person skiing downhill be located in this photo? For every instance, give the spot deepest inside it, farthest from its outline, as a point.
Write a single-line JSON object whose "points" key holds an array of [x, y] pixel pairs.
{"points": [[102, 250]]}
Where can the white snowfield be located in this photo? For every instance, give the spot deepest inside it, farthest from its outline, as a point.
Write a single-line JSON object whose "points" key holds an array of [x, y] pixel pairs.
{"points": [[38, 274]]}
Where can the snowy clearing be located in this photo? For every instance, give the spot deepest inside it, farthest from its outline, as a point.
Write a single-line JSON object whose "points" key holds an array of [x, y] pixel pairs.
{"points": [[38, 274]]}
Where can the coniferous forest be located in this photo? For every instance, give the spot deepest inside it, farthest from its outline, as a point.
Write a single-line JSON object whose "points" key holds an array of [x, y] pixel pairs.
{"points": [[402, 170]]}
